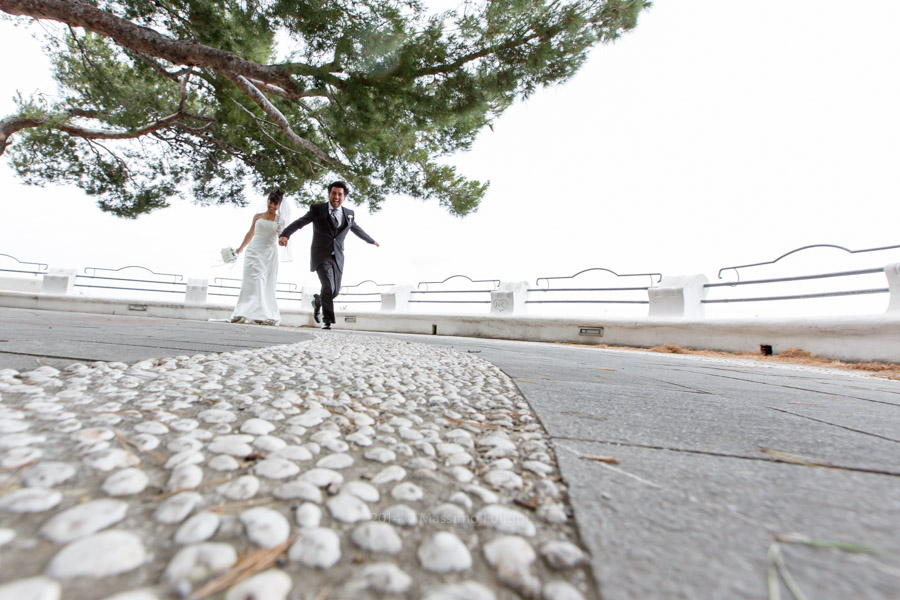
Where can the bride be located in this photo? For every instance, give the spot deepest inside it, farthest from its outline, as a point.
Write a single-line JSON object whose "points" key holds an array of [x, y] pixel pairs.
{"points": [[256, 302]]}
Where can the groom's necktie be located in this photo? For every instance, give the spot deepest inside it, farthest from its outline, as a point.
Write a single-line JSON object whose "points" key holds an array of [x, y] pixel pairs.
{"points": [[334, 218]]}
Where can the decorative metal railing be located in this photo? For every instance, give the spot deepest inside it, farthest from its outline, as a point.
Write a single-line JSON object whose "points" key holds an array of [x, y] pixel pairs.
{"points": [[635, 288]]}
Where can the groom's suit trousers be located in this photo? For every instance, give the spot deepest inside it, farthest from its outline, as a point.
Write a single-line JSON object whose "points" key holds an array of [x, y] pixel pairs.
{"points": [[330, 277]]}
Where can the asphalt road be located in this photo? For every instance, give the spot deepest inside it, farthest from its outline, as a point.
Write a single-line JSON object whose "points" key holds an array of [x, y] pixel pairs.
{"points": [[683, 472]]}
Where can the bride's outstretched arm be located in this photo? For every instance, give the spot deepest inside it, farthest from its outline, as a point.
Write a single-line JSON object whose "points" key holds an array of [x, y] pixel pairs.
{"points": [[247, 237]]}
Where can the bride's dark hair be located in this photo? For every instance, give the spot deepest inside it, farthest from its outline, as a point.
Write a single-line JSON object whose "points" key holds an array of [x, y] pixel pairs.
{"points": [[276, 196]]}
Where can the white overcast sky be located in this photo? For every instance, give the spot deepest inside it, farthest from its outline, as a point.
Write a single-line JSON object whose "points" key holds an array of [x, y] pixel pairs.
{"points": [[718, 132]]}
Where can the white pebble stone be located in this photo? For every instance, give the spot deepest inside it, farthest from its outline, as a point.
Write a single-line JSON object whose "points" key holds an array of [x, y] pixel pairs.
{"points": [[450, 514], [33, 588], [187, 457], [485, 495], [459, 459], [359, 439], [142, 594], [126, 482], [382, 455], [553, 513], [300, 490], [461, 499], [322, 477], [503, 479], [231, 447], [100, 555], [176, 508], [92, 448], [184, 443], [184, 424], [561, 590], [462, 474], [547, 489], [30, 500], [145, 441], [410, 435], [113, 458], [497, 441], [399, 514], [150, 427], [265, 527], [257, 427], [505, 520], [449, 449], [19, 457], [13, 425], [185, 477], [444, 553], [389, 474], [502, 463], [6, 536], [316, 547], [268, 585], [500, 452], [268, 443], [420, 462], [385, 578], [308, 515], [223, 462], [295, 453], [512, 557], [339, 460], [198, 528], [348, 509], [562, 554], [276, 468], [197, 562], [537, 467], [215, 416], [362, 490], [407, 492], [467, 590], [242, 488], [100, 434], [335, 445], [310, 418], [377, 537]]}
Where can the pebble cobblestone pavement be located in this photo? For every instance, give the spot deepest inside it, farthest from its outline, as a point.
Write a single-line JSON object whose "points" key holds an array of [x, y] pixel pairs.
{"points": [[357, 467]]}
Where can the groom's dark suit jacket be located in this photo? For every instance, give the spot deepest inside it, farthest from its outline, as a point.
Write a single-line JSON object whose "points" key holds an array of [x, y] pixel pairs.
{"points": [[326, 239]]}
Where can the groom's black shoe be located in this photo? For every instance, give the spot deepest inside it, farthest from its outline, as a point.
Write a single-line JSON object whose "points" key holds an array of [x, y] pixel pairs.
{"points": [[317, 306], [326, 326]]}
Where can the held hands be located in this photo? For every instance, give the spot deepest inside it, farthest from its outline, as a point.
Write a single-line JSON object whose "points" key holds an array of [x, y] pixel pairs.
{"points": [[282, 241], [376, 243]]}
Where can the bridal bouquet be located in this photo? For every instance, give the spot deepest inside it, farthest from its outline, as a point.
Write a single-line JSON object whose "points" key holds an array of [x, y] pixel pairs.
{"points": [[229, 255]]}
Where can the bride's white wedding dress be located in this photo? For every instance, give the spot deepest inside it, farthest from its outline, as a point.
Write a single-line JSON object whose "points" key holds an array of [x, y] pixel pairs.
{"points": [[257, 299]]}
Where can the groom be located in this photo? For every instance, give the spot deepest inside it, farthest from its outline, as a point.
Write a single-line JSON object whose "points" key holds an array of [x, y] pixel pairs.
{"points": [[331, 223]]}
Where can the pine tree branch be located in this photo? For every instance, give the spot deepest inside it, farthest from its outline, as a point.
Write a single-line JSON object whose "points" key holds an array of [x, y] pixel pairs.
{"points": [[178, 52], [11, 125], [280, 120]]}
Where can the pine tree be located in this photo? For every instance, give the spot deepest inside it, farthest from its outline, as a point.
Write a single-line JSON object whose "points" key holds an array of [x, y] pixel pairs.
{"points": [[165, 98]]}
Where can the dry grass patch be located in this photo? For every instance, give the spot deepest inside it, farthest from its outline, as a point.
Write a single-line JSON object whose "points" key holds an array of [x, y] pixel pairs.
{"points": [[795, 356]]}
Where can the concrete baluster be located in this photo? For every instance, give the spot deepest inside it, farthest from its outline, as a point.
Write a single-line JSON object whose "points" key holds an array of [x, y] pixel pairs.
{"points": [[678, 297], [509, 298], [59, 281], [396, 299], [196, 292], [892, 272]]}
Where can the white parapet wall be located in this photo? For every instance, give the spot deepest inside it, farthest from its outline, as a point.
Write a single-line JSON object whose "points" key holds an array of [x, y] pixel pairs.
{"points": [[858, 339]]}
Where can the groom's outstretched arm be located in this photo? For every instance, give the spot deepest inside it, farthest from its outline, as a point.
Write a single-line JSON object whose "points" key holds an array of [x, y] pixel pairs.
{"points": [[290, 229]]}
